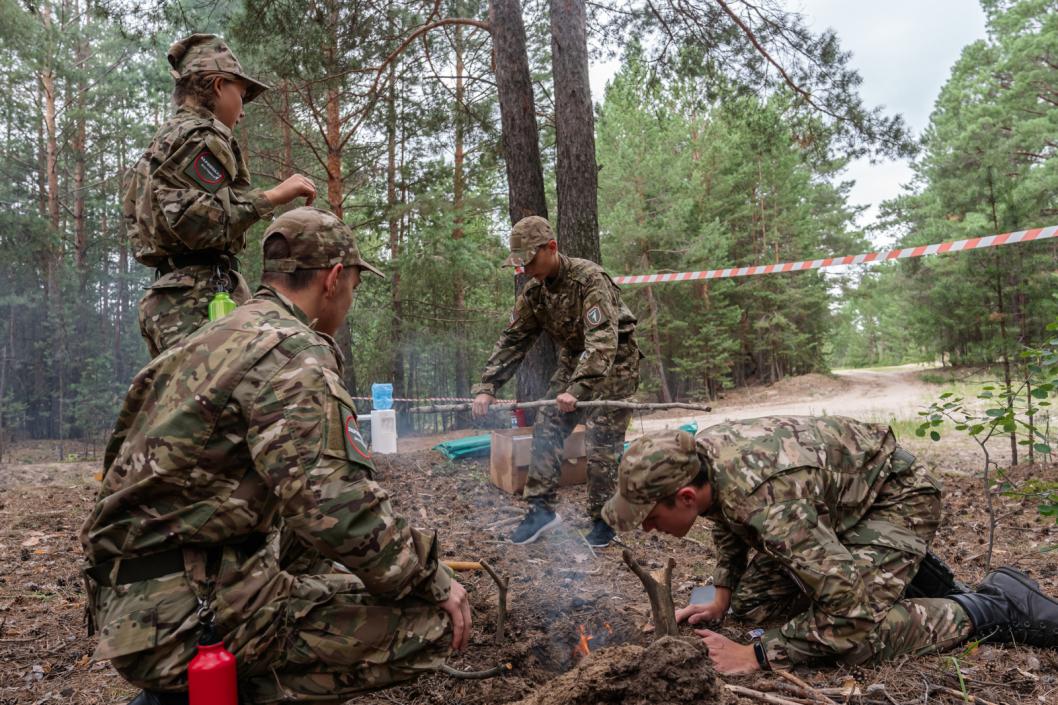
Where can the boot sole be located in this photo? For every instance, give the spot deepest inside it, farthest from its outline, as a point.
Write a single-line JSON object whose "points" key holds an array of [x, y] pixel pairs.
{"points": [[533, 537]]}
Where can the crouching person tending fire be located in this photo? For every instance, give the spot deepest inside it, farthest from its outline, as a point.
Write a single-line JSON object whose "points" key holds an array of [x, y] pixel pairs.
{"points": [[840, 518]]}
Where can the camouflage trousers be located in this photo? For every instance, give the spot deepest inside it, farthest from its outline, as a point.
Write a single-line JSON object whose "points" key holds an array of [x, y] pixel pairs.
{"points": [[177, 304], [316, 636], [887, 546], [604, 432]]}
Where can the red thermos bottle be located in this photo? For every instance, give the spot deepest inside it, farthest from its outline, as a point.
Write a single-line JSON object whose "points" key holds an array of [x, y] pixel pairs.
{"points": [[211, 676]]}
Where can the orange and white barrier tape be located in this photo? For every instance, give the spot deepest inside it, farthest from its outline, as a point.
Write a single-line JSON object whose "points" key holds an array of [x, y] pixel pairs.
{"points": [[974, 243]]}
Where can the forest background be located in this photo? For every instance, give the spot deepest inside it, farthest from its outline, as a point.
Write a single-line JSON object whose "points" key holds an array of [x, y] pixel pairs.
{"points": [[721, 141]]}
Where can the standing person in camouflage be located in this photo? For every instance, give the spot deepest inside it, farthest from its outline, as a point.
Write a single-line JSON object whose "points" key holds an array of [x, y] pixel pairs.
{"points": [[577, 303], [188, 200], [237, 480], [840, 518]]}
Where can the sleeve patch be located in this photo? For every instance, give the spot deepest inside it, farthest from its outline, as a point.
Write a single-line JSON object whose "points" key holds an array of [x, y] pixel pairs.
{"points": [[355, 446], [206, 171], [594, 316]]}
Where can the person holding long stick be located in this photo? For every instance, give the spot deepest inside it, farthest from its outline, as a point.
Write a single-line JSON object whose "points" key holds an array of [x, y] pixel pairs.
{"points": [[578, 304]]}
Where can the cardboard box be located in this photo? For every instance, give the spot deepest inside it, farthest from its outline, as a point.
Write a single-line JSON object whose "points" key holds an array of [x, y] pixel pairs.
{"points": [[512, 449]]}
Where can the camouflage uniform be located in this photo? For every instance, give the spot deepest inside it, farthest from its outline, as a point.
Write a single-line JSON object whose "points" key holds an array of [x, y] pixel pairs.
{"points": [[188, 203], [839, 517], [598, 358], [239, 450]]}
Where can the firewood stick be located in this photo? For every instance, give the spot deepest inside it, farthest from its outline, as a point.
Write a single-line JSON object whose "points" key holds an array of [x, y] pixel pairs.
{"points": [[597, 404], [809, 689], [501, 588], [463, 565], [659, 592], [758, 695]]}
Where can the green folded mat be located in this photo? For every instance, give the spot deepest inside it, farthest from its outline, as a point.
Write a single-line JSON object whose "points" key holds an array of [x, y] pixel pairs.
{"points": [[479, 446]]}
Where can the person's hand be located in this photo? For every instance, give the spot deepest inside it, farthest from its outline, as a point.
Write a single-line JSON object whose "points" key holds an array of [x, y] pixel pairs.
{"points": [[291, 188], [481, 405], [711, 612], [728, 657], [696, 614], [567, 403], [458, 608]]}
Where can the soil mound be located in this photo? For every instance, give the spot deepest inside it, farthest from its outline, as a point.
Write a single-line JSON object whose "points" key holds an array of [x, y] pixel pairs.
{"points": [[671, 671]]}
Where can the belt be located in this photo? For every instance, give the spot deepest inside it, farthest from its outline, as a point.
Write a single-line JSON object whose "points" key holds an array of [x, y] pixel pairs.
{"points": [[159, 565], [201, 258]]}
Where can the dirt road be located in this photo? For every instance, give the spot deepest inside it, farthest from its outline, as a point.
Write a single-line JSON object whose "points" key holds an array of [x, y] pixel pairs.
{"points": [[871, 395]]}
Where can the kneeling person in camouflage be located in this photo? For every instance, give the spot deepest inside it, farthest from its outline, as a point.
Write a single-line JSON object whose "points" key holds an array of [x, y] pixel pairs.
{"points": [[840, 519], [576, 302], [237, 480]]}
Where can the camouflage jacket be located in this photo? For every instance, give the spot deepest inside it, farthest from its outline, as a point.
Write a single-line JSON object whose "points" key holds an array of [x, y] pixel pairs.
{"points": [[246, 429], [797, 489], [190, 191], [581, 309]]}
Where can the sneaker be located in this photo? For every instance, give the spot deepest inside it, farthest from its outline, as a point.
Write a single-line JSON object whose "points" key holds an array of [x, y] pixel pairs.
{"points": [[600, 535], [536, 522]]}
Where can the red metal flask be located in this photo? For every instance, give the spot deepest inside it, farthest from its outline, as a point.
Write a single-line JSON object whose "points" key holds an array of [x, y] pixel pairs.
{"points": [[211, 676]]}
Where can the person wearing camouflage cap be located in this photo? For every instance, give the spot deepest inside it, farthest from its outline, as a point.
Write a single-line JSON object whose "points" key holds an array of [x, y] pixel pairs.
{"points": [[577, 303], [237, 479], [840, 519], [188, 200]]}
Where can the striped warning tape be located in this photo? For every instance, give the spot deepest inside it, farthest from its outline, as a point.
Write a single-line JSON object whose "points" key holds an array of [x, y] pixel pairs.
{"points": [[974, 243]]}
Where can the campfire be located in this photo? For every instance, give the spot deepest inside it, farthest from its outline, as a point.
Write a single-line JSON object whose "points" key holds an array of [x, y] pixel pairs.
{"points": [[583, 646]]}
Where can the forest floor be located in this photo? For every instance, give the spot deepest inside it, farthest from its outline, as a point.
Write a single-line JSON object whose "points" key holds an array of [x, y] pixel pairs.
{"points": [[556, 586]]}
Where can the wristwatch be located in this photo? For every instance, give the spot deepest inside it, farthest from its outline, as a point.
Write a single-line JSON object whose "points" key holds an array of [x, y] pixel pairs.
{"points": [[761, 654]]}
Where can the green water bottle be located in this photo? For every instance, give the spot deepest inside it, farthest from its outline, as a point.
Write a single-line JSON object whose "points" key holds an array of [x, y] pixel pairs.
{"points": [[221, 305]]}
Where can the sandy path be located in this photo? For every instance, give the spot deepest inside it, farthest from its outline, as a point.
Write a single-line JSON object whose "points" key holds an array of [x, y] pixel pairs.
{"points": [[868, 395]]}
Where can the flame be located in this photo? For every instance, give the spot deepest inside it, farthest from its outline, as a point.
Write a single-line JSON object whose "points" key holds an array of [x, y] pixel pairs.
{"points": [[582, 648], [608, 628]]}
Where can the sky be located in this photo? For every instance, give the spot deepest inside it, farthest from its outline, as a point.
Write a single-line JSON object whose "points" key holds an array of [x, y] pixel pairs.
{"points": [[904, 51]]}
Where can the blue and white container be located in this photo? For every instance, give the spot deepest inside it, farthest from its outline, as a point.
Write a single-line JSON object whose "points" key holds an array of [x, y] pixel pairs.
{"points": [[381, 396]]}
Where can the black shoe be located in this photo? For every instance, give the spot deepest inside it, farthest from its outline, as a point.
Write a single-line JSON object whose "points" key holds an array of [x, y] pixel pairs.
{"points": [[1008, 607], [149, 697], [600, 535], [537, 521]]}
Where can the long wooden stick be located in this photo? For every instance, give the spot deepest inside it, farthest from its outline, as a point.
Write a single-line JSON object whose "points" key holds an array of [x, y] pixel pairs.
{"points": [[597, 404], [758, 695]]}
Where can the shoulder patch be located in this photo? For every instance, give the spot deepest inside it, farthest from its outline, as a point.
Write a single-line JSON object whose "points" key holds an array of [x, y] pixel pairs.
{"points": [[207, 171], [594, 316], [355, 446]]}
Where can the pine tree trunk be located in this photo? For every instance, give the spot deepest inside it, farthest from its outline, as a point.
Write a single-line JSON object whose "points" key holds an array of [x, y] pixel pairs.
{"points": [[462, 374], [79, 144], [521, 150], [335, 181], [577, 174], [392, 209]]}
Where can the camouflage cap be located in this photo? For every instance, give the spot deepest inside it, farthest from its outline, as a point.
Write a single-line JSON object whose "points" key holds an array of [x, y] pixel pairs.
{"points": [[208, 53], [527, 236], [654, 467], [317, 240]]}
